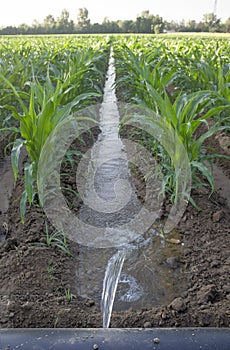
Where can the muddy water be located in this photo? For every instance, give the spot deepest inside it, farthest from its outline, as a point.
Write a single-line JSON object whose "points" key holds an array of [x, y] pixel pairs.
{"points": [[152, 273]]}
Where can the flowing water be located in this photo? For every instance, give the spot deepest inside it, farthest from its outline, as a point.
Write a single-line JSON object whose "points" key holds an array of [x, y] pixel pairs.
{"points": [[106, 201], [112, 275], [147, 271]]}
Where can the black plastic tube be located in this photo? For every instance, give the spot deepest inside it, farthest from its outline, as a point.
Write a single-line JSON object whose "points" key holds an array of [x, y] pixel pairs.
{"points": [[116, 339]]}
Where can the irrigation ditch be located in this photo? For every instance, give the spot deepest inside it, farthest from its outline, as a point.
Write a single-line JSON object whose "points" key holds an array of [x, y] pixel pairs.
{"points": [[181, 281]]}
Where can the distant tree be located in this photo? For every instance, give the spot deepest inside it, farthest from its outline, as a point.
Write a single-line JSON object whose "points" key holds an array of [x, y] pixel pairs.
{"points": [[146, 22], [64, 25], [64, 18], [201, 27], [191, 26], [96, 28], [105, 25], [49, 24], [83, 21], [10, 30], [171, 26], [126, 26], [211, 22], [108, 26], [227, 25], [23, 28], [158, 21], [158, 28], [182, 26]]}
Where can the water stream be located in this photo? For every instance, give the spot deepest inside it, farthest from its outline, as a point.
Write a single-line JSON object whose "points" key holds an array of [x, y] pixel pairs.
{"points": [[106, 201], [138, 274], [110, 162], [111, 279]]}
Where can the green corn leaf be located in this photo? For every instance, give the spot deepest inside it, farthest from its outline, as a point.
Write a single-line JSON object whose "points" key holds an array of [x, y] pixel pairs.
{"points": [[14, 112], [32, 112], [10, 128], [26, 125], [38, 91], [29, 181], [210, 132], [205, 172], [16, 93], [191, 200], [225, 69], [23, 202], [215, 156], [164, 104], [65, 111], [195, 104], [15, 154], [44, 126]]}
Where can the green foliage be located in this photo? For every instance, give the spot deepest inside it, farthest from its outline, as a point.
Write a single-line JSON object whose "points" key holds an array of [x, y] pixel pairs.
{"points": [[154, 79], [136, 71], [69, 295], [183, 81], [144, 23], [71, 79], [56, 239]]}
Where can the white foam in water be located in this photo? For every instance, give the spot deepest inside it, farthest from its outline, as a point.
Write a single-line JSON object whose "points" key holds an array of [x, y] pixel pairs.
{"points": [[134, 292]]}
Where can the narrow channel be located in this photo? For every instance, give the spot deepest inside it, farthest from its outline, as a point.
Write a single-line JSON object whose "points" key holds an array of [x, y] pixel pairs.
{"points": [[152, 272]]}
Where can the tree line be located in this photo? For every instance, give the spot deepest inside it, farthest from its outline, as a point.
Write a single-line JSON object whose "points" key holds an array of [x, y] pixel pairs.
{"points": [[144, 23]]}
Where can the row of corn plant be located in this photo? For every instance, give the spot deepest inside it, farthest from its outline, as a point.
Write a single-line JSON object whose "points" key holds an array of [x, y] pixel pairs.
{"points": [[199, 62], [72, 80], [144, 78]]}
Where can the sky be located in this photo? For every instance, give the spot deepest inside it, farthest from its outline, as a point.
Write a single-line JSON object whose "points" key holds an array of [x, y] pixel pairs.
{"points": [[15, 12]]}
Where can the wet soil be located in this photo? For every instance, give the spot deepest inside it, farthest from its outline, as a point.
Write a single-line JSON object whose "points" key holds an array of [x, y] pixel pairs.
{"points": [[38, 285]]}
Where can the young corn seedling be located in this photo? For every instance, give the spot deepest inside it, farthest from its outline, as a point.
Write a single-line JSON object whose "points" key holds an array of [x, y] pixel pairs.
{"points": [[135, 71], [181, 116], [56, 239], [69, 295], [38, 120]]}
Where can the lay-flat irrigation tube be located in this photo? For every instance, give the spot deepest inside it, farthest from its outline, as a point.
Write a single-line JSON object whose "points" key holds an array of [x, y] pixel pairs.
{"points": [[115, 339]]}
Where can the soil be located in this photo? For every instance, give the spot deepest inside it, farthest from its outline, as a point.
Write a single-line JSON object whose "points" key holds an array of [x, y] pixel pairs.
{"points": [[218, 144], [38, 283]]}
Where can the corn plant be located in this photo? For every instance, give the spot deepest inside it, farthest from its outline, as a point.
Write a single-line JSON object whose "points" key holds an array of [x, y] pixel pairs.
{"points": [[183, 113], [136, 71], [195, 60], [43, 114], [55, 239], [69, 296], [43, 81], [78, 63]]}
